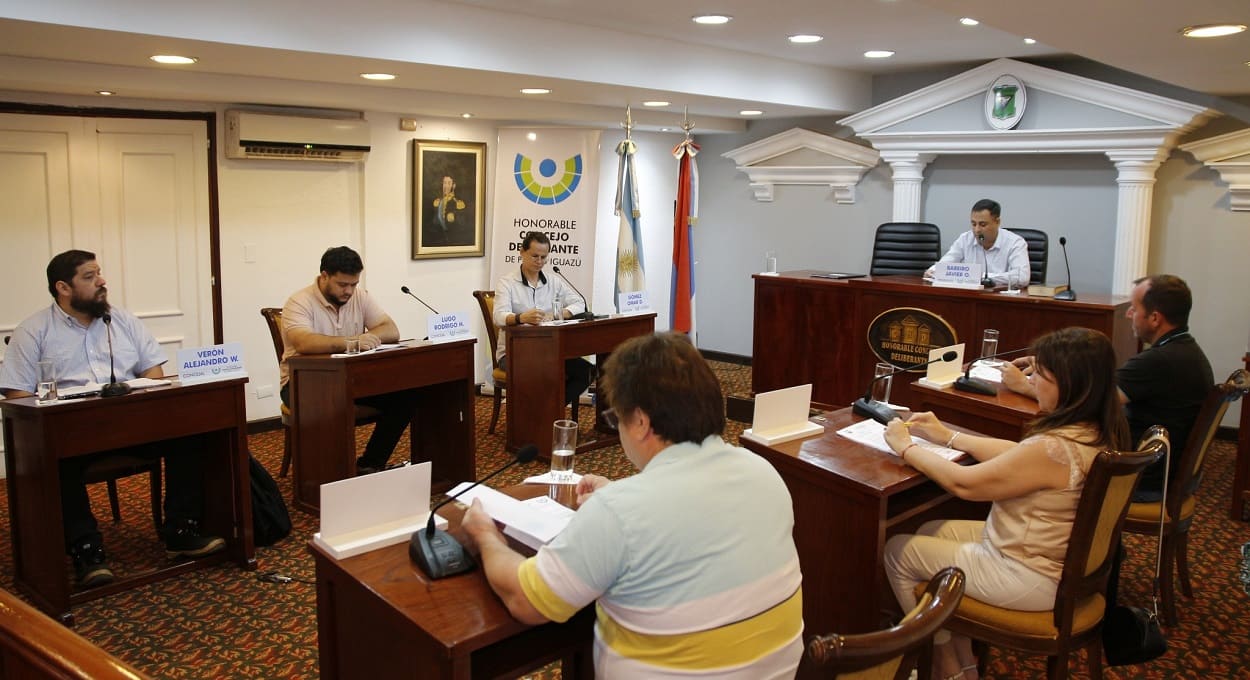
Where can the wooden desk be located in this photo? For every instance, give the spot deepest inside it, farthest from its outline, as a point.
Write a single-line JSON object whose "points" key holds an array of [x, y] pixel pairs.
{"points": [[36, 437], [815, 330], [536, 356], [847, 500], [323, 418], [379, 617], [1005, 415]]}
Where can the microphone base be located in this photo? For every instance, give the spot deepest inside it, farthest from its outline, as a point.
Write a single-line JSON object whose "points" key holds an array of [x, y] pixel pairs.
{"points": [[114, 389], [874, 409], [438, 555], [987, 283], [588, 316], [966, 384], [1069, 295]]}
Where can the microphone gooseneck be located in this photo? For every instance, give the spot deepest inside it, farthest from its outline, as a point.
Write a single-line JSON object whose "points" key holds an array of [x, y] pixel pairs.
{"points": [[1068, 294], [967, 383], [435, 551], [986, 281], [865, 406], [114, 388], [586, 315], [405, 291]]}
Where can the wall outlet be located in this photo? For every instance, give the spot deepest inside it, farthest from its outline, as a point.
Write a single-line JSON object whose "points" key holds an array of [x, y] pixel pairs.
{"points": [[264, 391]]}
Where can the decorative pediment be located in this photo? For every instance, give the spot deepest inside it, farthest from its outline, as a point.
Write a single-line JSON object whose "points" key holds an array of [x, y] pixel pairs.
{"points": [[799, 156], [1228, 155]]}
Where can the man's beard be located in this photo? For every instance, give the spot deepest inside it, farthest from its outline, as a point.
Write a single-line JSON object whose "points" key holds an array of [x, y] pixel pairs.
{"points": [[95, 306]]}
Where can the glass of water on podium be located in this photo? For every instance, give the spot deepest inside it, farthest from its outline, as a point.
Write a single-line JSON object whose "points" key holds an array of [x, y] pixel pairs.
{"points": [[881, 384], [989, 347], [45, 389], [563, 444]]}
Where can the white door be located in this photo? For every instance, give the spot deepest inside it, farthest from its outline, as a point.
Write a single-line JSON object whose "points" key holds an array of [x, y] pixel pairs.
{"points": [[134, 191]]}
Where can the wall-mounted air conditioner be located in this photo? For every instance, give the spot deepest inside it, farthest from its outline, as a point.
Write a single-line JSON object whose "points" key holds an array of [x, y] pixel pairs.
{"points": [[263, 135]]}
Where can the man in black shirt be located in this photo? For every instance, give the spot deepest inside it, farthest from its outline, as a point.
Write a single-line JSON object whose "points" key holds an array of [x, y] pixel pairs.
{"points": [[1164, 384]]}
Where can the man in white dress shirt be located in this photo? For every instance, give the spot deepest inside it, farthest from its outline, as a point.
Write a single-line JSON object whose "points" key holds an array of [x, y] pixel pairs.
{"points": [[987, 243]]}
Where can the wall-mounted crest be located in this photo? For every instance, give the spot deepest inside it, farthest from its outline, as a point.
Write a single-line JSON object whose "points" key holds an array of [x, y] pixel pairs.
{"points": [[1005, 102]]}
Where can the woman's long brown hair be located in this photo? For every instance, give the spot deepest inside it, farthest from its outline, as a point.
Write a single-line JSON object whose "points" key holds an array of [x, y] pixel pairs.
{"points": [[1082, 363]]}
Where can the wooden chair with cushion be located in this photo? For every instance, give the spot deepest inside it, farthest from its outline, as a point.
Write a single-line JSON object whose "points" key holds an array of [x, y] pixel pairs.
{"points": [[1076, 621], [1039, 253], [893, 653], [486, 302], [1143, 518], [364, 414], [109, 470], [905, 248]]}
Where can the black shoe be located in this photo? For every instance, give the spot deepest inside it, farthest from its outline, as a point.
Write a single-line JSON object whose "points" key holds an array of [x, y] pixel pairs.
{"points": [[90, 569], [365, 469], [183, 539]]}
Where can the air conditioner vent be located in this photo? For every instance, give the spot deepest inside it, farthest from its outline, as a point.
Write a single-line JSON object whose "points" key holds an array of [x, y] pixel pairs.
{"points": [[267, 136]]}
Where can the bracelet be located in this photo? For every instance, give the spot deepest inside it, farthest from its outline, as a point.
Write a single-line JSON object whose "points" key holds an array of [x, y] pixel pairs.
{"points": [[950, 443], [903, 454]]}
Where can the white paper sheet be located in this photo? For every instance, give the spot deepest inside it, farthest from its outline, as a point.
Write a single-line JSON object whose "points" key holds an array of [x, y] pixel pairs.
{"points": [[870, 433], [523, 521]]}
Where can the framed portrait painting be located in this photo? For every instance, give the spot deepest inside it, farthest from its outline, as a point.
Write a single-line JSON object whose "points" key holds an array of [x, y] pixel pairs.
{"points": [[449, 199]]}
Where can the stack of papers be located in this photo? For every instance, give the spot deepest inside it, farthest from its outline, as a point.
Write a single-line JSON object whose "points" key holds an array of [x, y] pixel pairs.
{"points": [[379, 348], [984, 372], [534, 522], [870, 433], [549, 478]]}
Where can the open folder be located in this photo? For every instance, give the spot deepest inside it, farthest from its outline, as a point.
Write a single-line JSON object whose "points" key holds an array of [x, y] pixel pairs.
{"points": [[781, 415], [373, 511]]}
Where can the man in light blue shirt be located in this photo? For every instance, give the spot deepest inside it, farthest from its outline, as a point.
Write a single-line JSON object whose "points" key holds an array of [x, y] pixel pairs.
{"points": [[1001, 252], [72, 334]]}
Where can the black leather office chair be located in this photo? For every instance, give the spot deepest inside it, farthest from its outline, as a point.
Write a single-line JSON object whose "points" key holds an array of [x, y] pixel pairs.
{"points": [[1039, 253], [905, 248]]}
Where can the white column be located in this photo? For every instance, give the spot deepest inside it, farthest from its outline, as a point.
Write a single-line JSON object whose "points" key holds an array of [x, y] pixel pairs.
{"points": [[1136, 180], [908, 169]]}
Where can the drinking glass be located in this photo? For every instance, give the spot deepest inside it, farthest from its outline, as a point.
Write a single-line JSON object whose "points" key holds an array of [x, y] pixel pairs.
{"points": [[557, 309], [770, 262], [353, 345], [989, 347], [563, 444], [881, 388], [1013, 283], [45, 390]]}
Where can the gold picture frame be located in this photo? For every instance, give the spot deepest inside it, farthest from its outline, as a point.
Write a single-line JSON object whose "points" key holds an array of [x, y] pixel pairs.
{"points": [[448, 199]]}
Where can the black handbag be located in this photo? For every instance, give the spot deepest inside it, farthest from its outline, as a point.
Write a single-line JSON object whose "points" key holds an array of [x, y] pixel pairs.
{"points": [[1132, 635]]}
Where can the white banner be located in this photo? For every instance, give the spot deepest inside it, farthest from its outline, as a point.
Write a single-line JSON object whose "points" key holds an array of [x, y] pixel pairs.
{"points": [[547, 179]]}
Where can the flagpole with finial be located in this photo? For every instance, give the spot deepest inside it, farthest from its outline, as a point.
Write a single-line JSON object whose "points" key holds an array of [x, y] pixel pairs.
{"points": [[685, 215]]}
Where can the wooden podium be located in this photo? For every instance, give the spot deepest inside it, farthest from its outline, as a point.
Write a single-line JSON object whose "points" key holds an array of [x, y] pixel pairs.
{"points": [[536, 356], [815, 330]]}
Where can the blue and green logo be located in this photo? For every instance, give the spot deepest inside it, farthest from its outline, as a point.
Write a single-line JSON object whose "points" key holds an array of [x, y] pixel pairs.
{"points": [[550, 189]]}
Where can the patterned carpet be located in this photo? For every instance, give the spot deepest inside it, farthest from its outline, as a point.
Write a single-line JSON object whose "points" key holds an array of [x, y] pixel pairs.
{"points": [[223, 623]]}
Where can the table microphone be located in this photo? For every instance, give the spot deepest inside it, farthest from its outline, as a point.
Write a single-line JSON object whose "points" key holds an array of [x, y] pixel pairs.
{"points": [[1068, 294], [865, 406], [434, 551], [986, 281], [114, 388], [405, 291], [967, 383], [586, 315]]}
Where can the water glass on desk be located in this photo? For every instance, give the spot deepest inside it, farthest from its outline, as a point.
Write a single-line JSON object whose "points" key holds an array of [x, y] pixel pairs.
{"points": [[563, 445], [770, 262], [881, 388], [45, 389], [352, 345], [557, 308], [989, 347]]}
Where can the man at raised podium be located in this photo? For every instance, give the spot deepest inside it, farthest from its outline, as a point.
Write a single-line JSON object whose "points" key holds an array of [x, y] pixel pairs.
{"points": [[692, 561], [1001, 252]]}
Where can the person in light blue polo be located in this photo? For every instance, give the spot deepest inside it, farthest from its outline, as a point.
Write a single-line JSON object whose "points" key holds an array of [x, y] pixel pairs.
{"points": [[71, 333]]}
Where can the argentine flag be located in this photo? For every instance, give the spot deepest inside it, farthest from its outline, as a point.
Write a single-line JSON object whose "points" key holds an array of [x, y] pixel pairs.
{"points": [[629, 269]]}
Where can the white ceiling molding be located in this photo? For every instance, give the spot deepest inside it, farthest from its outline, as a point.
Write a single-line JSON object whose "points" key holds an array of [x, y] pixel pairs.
{"points": [[1136, 151], [851, 161], [1228, 155]]}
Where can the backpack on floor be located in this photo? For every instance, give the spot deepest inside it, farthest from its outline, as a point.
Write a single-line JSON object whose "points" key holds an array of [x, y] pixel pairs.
{"points": [[270, 520]]}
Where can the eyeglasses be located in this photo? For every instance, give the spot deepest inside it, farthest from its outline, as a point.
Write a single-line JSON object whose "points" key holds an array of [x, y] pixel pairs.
{"points": [[610, 418]]}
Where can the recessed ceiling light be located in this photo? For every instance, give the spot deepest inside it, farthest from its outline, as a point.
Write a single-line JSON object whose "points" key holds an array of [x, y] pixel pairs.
{"points": [[173, 59], [663, 129], [879, 54], [655, 103], [378, 76], [466, 115], [105, 93], [531, 136], [1030, 41], [969, 21], [750, 112], [803, 39], [535, 90], [1212, 30], [712, 19]]}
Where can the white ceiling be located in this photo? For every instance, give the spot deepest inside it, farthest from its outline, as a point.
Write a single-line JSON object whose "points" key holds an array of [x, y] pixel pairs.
{"points": [[455, 56]]}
